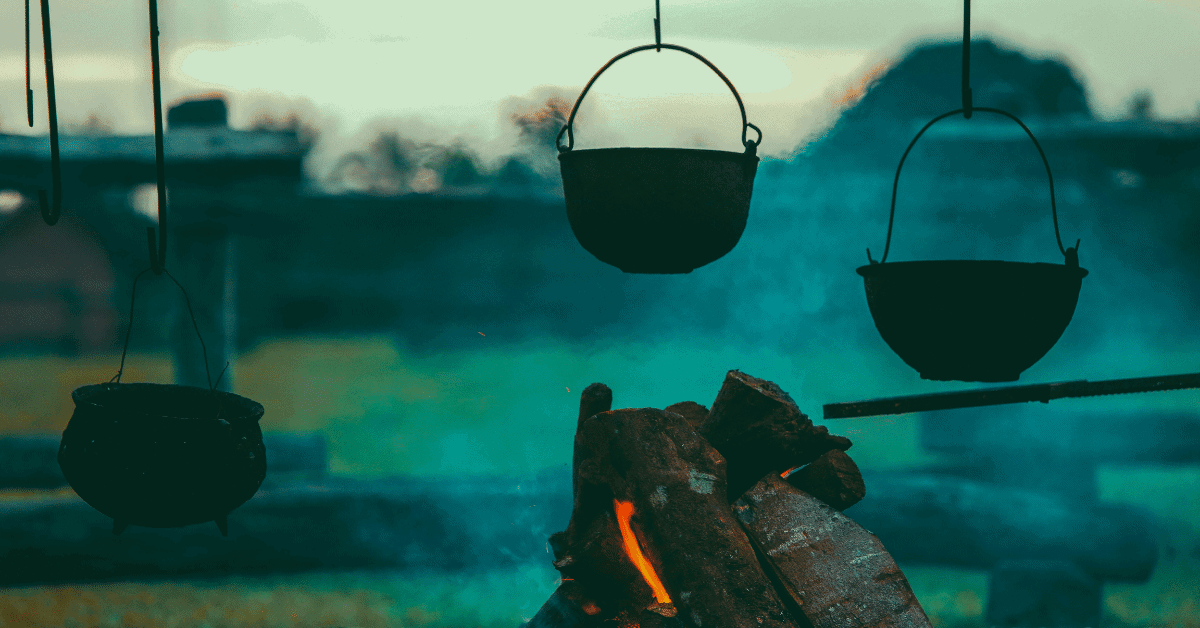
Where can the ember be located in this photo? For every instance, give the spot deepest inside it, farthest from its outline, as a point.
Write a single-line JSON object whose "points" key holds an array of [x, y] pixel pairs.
{"points": [[624, 512], [738, 521]]}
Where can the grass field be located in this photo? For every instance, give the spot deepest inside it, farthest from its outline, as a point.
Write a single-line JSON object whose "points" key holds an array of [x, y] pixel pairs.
{"points": [[386, 412]]}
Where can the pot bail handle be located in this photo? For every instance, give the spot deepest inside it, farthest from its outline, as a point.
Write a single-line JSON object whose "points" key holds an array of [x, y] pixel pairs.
{"points": [[129, 330], [751, 145], [1070, 255]]}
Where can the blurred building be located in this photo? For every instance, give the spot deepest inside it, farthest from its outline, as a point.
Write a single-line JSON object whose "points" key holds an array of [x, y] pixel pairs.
{"points": [[56, 285]]}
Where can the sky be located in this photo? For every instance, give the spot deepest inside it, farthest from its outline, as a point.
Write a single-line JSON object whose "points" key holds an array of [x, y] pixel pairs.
{"points": [[457, 71]]}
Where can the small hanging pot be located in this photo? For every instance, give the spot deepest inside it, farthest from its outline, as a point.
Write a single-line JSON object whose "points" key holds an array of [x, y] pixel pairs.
{"points": [[974, 321], [657, 210], [163, 455]]}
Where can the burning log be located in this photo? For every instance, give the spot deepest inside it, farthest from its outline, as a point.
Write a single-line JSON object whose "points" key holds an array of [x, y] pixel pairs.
{"points": [[600, 564], [759, 430], [594, 399], [840, 573], [833, 478], [675, 483], [653, 540]]}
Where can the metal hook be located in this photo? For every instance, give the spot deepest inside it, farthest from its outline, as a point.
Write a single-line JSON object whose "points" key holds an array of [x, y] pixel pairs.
{"points": [[657, 28], [50, 212], [967, 104], [158, 254], [28, 91]]}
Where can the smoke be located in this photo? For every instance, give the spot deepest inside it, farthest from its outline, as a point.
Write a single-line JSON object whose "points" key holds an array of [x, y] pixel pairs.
{"points": [[538, 121], [393, 163]]}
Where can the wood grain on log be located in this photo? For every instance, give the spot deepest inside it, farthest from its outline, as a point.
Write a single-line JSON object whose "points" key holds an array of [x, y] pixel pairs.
{"points": [[833, 478], [676, 482], [759, 430], [840, 572]]}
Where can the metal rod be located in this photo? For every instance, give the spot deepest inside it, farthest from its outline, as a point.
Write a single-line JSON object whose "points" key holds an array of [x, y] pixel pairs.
{"points": [[657, 28], [158, 259], [51, 208], [1011, 394], [28, 89], [967, 105]]}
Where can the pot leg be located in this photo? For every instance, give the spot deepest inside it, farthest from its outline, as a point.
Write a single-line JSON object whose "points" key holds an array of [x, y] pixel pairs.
{"points": [[223, 524], [119, 527]]}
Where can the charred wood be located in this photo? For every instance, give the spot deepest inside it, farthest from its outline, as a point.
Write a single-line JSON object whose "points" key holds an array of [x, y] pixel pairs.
{"points": [[841, 573], [588, 500], [598, 565], [833, 478], [676, 482], [759, 430], [695, 413]]}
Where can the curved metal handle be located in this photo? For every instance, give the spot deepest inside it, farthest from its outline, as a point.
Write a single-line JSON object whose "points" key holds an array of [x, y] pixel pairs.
{"points": [[751, 146], [188, 302], [1071, 254]]}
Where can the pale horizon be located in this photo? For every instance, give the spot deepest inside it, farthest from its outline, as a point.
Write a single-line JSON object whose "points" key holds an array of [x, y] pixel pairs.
{"points": [[455, 73]]}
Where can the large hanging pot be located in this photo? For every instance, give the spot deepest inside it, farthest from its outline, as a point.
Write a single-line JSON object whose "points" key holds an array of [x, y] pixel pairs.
{"points": [[975, 321], [657, 210], [163, 455]]}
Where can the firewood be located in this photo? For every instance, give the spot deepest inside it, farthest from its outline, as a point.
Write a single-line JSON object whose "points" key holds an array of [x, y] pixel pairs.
{"points": [[833, 478], [695, 413], [841, 574], [588, 502], [594, 399], [759, 430], [676, 482], [599, 565]]}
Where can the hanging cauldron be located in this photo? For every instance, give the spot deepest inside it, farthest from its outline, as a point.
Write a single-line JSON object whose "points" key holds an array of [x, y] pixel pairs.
{"points": [[657, 210], [975, 321], [162, 455]]}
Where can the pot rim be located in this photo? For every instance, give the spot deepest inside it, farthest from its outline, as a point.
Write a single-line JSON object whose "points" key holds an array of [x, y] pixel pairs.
{"points": [[86, 396], [708, 152], [877, 270]]}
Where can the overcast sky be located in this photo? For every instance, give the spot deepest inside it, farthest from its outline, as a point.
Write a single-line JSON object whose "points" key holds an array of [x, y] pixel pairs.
{"points": [[446, 70]]}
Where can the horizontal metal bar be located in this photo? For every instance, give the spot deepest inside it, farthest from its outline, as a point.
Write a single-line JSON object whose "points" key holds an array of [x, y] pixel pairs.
{"points": [[1009, 394]]}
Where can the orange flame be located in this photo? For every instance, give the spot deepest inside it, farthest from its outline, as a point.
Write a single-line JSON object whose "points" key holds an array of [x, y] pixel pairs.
{"points": [[624, 513]]}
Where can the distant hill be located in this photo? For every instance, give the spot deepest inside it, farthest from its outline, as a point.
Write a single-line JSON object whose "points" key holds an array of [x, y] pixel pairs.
{"points": [[927, 82]]}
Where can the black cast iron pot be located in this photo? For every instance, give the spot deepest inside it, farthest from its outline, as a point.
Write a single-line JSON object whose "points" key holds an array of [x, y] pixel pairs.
{"points": [[657, 210], [163, 455], [976, 321], [969, 320]]}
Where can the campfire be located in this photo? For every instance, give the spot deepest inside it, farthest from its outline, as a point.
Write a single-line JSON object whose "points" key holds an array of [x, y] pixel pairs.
{"points": [[726, 517]]}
